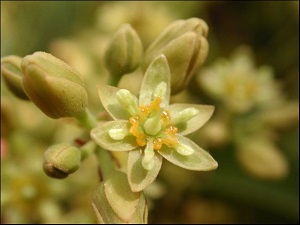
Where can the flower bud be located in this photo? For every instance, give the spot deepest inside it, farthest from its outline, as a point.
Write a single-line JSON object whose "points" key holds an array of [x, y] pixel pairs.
{"points": [[185, 46], [60, 160], [124, 52], [262, 159], [12, 75], [115, 203], [55, 87]]}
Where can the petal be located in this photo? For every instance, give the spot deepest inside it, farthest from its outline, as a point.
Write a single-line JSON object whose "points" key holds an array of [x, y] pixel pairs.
{"points": [[138, 177], [101, 136], [156, 76], [109, 101], [122, 200], [204, 114], [102, 208], [200, 160]]}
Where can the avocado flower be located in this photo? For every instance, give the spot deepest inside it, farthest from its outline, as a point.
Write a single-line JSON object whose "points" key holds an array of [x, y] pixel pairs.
{"points": [[150, 129]]}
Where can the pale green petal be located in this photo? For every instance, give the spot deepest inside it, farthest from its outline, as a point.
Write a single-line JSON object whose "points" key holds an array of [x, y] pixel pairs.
{"points": [[120, 197], [200, 160], [104, 212], [109, 101], [157, 79], [205, 112], [102, 137], [115, 203], [138, 177]]}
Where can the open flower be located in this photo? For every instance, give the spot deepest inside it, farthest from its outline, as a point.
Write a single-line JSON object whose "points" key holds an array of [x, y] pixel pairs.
{"points": [[151, 129]]}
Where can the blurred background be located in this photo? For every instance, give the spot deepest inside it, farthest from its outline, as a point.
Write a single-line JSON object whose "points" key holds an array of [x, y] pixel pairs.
{"points": [[254, 137]]}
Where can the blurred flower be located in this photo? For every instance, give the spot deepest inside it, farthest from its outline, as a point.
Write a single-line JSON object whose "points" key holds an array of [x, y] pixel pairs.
{"points": [[151, 129], [238, 84], [251, 108], [147, 18]]}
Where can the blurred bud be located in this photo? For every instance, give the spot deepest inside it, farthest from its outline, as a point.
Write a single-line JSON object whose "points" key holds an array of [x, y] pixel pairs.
{"points": [[56, 88], [262, 159], [60, 160], [12, 74], [115, 203], [9, 120], [185, 46], [124, 52]]}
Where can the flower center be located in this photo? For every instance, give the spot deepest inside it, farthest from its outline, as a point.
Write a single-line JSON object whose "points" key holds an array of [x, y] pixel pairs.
{"points": [[155, 123]]}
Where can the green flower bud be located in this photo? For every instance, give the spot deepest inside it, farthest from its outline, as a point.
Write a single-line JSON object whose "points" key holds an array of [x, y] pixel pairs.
{"points": [[55, 87], [124, 52], [185, 46], [115, 203], [12, 75], [60, 160]]}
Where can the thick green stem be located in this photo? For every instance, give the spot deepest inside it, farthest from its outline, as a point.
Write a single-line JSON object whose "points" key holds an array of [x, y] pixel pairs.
{"points": [[114, 79], [105, 161], [87, 149], [87, 119]]}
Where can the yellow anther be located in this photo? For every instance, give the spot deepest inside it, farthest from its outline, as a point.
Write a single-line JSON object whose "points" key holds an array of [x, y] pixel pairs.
{"points": [[143, 124], [140, 136], [155, 105], [157, 143]]}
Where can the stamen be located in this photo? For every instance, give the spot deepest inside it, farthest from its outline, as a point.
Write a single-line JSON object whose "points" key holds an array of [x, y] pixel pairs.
{"points": [[185, 115], [127, 101], [157, 143], [140, 136], [154, 106], [184, 150], [148, 159], [117, 134], [153, 121]]}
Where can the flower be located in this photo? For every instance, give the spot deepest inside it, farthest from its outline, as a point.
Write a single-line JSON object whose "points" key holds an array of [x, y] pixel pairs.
{"points": [[150, 129], [238, 84]]}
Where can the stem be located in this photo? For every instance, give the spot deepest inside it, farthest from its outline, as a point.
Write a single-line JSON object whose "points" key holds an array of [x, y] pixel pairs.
{"points": [[87, 119], [87, 150], [106, 163], [114, 79]]}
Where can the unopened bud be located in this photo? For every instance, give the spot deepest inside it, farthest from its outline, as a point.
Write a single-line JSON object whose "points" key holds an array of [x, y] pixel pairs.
{"points": [[124, 52], [12, 75], [60, 160], [185, 46], [55, 87]]}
